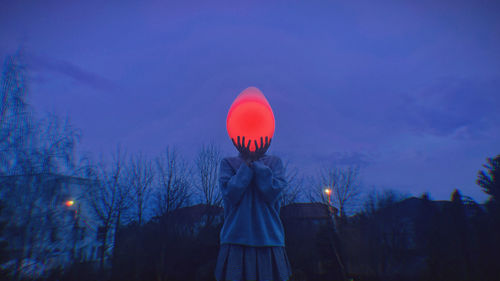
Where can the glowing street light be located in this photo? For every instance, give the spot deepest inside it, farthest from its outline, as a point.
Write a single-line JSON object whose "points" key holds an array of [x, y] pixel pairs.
{"points": [[71, 203], [328, 191]]}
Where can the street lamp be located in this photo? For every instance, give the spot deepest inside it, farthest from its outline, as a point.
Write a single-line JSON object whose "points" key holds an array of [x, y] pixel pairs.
{"points": [[70, 203], [328, 192], [73, 205], [76, 225]]}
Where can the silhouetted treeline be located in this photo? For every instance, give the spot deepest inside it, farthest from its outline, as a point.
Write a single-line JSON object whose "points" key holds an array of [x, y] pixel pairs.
{"points": [[393, 238], [184, 245], [420, 239], [178, 246]]}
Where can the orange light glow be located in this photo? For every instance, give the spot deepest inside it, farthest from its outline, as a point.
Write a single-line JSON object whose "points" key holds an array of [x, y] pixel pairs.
{"points": [[328, 191], [69, 203], [250, 116]]}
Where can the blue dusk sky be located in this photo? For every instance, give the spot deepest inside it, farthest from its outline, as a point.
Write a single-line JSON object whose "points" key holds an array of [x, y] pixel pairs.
{"points": [[408, 90]]}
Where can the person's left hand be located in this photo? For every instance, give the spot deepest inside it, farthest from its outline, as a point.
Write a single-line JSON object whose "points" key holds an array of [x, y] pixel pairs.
{"points": [[260, 150]]}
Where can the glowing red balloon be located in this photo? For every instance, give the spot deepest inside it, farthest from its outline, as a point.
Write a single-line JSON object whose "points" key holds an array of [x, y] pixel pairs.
{"points": [[250, 116]]}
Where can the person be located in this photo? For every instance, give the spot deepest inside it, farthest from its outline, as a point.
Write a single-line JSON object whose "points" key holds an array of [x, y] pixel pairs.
{"points": [[252, 238]]}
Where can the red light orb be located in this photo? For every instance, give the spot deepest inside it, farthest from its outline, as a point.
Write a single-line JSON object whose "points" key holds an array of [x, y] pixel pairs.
{"points": [[250, 116]]}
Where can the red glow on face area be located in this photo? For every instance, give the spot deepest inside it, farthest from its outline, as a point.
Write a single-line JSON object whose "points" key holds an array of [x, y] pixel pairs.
{"points": [[250, 116], [69, 203]]}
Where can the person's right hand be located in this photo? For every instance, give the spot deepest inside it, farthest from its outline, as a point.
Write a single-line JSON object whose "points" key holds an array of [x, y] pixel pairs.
{"points": [[244, 150]]}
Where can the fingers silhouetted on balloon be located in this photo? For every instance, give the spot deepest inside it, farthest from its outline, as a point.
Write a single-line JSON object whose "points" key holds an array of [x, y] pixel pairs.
{"points": [[244, 150], [243, 146], [261, 150]]}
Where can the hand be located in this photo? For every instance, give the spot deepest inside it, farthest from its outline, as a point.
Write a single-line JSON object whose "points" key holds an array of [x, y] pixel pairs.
{"points": [[260, 150], [245, 152]]}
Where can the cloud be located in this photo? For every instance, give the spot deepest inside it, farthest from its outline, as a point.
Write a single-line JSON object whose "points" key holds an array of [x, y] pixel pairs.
{"points": [[353, 158], [465, 108], [95, 81]]}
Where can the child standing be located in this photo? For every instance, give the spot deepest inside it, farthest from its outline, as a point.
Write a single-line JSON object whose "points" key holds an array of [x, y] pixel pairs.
{"points": [[252, 237]]}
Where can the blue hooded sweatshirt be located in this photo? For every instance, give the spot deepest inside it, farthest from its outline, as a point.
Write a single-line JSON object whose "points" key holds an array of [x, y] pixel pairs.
{"points": [[251, 197]]}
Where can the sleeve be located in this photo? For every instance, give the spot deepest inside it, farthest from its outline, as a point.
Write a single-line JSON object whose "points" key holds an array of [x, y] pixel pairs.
{"points": [[270, 180], [234, 185]]}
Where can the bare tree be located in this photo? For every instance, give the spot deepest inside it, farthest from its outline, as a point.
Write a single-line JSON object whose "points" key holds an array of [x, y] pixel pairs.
{"points": [[294, 187], [171, 181], [57, 144], [15, 117], [31, 186], [171, 192], [33, 154], [140, 175], [338, 186], [13, 90], [207, 162], [378, 200], [108, 196]]}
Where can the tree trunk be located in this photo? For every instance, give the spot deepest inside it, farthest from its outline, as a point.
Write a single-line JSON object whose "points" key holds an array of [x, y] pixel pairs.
{"points": [[103, 247]]}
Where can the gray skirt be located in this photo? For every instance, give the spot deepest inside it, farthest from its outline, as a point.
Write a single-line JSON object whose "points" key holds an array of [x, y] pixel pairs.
{"points": [[239, 262]]}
